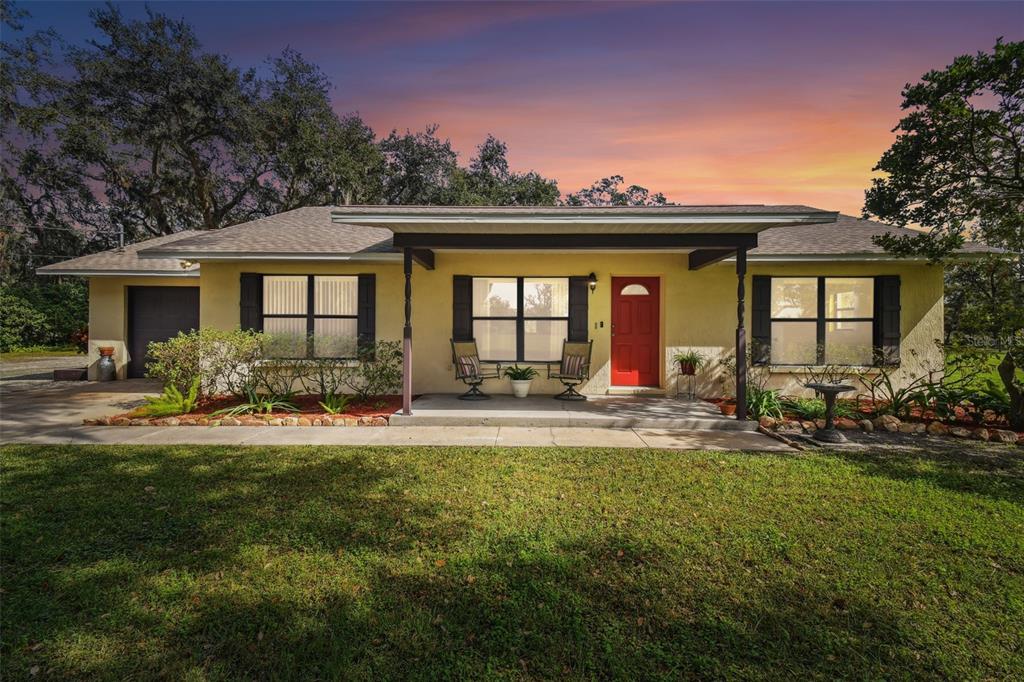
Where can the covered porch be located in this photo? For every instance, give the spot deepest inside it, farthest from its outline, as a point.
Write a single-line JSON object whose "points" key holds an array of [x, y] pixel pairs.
{"points": [[612, 412], [625, 240]]}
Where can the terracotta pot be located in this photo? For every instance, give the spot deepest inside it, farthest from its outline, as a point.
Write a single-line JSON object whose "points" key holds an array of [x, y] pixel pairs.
{"points": [[728, 409], [687, 369], [106, 351]]}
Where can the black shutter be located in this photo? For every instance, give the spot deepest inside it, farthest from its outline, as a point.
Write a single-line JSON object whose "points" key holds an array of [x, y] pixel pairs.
{"points": [[579, 327], [366, 320], [251, 302], [462, 308], [887, 319], [761, 319]]}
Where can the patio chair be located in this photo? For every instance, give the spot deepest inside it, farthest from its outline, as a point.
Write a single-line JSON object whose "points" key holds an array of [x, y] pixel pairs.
{"points": [[574, 368], [469, 369]]}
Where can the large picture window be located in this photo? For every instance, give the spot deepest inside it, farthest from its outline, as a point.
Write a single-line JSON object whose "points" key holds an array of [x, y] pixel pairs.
{"points": [[520, 319], [822, 320], [311, 315]]}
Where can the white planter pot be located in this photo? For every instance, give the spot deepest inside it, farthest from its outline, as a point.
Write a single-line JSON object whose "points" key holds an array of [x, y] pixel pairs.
{"points": [[521, 389]]}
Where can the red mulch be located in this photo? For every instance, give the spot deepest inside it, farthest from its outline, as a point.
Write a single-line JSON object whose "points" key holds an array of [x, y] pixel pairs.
{"points": [[309, 405]]}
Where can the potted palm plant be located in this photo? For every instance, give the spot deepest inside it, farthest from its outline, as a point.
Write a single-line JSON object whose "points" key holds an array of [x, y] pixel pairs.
{"points": [[521, 378], [690, 361]]}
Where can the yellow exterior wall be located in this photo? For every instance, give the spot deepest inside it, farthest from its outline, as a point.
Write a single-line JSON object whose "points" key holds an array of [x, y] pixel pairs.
{"points": [[108, 315], [698, 308]]}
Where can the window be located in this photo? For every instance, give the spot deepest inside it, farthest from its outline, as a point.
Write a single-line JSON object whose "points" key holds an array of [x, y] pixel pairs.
{"points": [[311, 315], [520, 319], [634, 290], [819, 320]]}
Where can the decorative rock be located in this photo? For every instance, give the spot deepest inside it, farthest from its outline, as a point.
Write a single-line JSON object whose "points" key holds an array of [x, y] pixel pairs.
{"points": [[980, 434], [866, 425], [317, 422], [767, 422], [290, 421], [171, 421], [379, 421], [326, 421], [1004, 436], [937, 428], [303, 421], [214, 422], [787, 425], [819, 423], [276, 421], [203, 421], [887, 422], [911, 427], [139, 422], [230, 421], [960, 432], [807, 426], [846, 424]]}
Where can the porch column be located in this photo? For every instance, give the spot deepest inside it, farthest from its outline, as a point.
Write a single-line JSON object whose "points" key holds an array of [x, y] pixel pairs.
{"points": [[741, 336], [407, 335]]}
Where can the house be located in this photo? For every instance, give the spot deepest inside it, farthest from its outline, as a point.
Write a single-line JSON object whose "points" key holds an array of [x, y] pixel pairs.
{"points": [[800, 286]]}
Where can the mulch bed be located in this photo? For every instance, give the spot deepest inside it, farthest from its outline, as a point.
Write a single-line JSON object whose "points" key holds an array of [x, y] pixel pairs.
{"points": [[375, 412]]}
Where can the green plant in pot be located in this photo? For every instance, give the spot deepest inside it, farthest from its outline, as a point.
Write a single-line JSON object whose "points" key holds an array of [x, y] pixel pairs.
{"points": [[521, 378], [690, 362]]}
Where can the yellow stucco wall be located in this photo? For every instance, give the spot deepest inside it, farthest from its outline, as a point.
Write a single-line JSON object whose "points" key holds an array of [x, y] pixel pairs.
{"points": [[698, 309], [108, 315]]}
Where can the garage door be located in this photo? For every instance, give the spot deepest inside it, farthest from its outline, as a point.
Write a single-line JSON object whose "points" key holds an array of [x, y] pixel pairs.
{"points": [[157, 314]]}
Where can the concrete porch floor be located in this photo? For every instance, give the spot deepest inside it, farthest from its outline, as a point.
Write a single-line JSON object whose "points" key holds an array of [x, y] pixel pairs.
{"points": [[619, 412]]}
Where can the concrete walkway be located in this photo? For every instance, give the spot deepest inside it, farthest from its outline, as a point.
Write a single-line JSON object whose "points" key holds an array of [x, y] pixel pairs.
{"points": [[505, 436]]}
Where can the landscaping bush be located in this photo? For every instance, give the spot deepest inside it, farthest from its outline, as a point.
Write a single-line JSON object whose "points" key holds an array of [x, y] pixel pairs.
{"points": [[42, 314], [224, 361], [172, 402], [378, 373], [326, 376], [762, 402]]}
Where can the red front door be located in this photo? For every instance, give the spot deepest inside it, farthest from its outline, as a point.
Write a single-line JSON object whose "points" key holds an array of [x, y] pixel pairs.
{"points": [[635, 332]]}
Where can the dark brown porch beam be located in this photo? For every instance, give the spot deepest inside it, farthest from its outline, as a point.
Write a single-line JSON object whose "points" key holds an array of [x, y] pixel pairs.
{"points": [[423, 240], [704, 257], [424, 257]]}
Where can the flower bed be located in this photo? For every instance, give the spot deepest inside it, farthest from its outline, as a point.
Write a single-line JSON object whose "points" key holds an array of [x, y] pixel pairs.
{"points": [[372, 413]]}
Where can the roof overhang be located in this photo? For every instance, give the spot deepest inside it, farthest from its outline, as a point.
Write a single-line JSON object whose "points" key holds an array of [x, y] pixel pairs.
{"points": [[94, 272], [461, 221], [199, 257]]}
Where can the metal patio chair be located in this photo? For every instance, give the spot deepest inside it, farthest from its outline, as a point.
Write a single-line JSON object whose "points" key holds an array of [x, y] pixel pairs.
{"points": [[574, 368], [469, 369]]}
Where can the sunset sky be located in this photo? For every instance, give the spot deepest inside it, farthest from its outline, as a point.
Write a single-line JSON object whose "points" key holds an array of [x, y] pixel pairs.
{"points": [[709, 103]]}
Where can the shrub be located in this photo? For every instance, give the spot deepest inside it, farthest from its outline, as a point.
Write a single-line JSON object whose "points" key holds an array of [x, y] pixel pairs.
{"points": [[325, 376], [814, 408], [763, 402], [256, 403], [170, 403], [335, 403], [378, 372], [42, 313], [224, 361]]}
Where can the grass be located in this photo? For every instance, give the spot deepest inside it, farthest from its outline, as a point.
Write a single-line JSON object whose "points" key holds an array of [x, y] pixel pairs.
{"points": [[29, 352], [359, 563]]}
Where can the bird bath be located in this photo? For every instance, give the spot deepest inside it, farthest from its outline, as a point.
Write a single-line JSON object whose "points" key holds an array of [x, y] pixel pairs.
{"points": [[829, 434]]}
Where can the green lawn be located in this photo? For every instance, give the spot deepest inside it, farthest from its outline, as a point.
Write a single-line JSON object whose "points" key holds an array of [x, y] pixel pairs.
{"points": [[360, 563]]}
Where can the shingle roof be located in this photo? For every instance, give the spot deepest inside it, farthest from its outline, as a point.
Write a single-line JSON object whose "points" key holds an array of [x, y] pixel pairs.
{"points": [[300, 231], [309, 232], [848, 236], [126, 260], [709, 209]]}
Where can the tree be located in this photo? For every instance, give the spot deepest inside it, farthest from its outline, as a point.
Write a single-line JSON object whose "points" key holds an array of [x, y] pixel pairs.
{"points": [[956, 169], [606, 192], [489, 181]]}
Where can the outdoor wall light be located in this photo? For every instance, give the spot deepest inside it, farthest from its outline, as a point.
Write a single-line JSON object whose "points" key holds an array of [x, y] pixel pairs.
{"points": [[592, 282], [186, 264]]}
